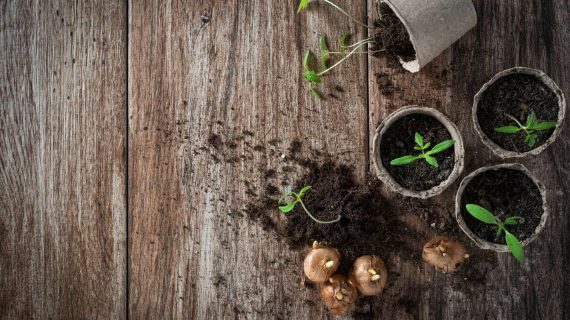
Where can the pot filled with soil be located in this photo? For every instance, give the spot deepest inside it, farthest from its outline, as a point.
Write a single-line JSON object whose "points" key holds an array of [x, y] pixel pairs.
{"points": [[418, 152], [430, 28], [501, 208], [520, 111]]}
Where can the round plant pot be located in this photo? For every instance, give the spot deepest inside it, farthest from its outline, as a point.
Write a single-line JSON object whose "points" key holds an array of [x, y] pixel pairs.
{"points": [[542, 77], [432, 25], [383, 173], [482, 243]]}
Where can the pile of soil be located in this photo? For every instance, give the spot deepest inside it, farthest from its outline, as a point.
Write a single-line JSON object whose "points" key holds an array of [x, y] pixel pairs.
{"points": [[399, 141], [504, 192], [391, 35], [517, 95]]}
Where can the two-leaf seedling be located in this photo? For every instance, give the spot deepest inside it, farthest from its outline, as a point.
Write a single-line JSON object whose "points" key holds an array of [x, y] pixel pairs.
{"points": [[487, 217], [287, 207], [311, 74], [530, 128], [427, 155]]}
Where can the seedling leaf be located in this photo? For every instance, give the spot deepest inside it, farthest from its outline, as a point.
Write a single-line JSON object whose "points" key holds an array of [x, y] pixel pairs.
{"points": [[508, 129], [481, 214], [419, 139], [288, 207], [512, 220], [426, 146], [442, 146], [545, 125], [303, 191], [514, 245], [342, 40], [312, 77], [500, 230], [302, 5], [531, 140], [403, 160], [531, 120], [316, 94], [306, 58], [432, 161]]}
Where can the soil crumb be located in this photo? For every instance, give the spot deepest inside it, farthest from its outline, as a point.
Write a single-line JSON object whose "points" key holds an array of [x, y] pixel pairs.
{"points": [[392, 36]]}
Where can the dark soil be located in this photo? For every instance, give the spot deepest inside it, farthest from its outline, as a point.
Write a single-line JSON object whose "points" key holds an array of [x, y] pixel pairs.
{"points": [[399, 141], [504, 192], [391, 35], [517, 95]]}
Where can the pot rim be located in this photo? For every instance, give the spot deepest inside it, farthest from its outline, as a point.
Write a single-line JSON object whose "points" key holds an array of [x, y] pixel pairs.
{"points": [[543, 77], [484, 244], [382, 172]]}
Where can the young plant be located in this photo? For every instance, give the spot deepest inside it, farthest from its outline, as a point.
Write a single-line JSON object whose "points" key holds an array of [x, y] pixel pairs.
{"points": [[314, 76], [530, 128], [287, 207], [487, 217], [426, 154]]}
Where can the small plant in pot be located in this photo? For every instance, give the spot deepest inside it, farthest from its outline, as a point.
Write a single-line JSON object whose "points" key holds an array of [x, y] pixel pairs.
{"points": [[501, 208], [518, 112], [415, 39], [418, 152]]}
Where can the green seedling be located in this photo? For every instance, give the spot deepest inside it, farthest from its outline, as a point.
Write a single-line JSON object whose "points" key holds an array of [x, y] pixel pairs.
{"points": [[530, 129], [288, 207], [487, 217], [314, 76], [426, 154]]}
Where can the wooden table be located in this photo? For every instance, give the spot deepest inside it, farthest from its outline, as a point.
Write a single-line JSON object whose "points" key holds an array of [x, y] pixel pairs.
{"points": [[113, 206]]}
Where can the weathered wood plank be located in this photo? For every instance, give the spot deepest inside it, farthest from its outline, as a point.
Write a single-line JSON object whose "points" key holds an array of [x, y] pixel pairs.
{"points": [[509, 33], [62, 166], [234, 73]]}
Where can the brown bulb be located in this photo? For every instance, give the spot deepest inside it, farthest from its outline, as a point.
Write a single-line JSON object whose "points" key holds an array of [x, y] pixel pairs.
{"points": [[338, 294], [445, 254], [321, 262], [369, 275]]}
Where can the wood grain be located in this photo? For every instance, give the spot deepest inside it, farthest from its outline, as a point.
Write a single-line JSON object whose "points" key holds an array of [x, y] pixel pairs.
{"points": [[236, 74], [508, 34], [62, 165]]}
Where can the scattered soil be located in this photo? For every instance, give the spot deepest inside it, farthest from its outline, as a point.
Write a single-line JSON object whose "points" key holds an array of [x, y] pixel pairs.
{"points": [[392, 35], [504, 192], [517, 95], [399, 141], [395, 230]]}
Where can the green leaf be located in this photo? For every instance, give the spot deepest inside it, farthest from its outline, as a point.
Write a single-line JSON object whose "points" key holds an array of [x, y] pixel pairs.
{"points": [[280, 200], [312, 76], [303, 191], [418, 148], [442, 146], [481, 214], [512, 220], [531, 120], [508, 129], [342, 40], [288, 207], [514, 245], [306, 58], [432, 161], [500, 230], [545, 125], [403, 160], [419, 139], [316, 94], [531, 140], [426, 145], [302, 5]]}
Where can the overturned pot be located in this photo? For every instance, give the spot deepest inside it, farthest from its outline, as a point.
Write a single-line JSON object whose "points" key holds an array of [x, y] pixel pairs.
{"points": [[432, 26], [506, 190], [507, 101], [395, 139]]}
